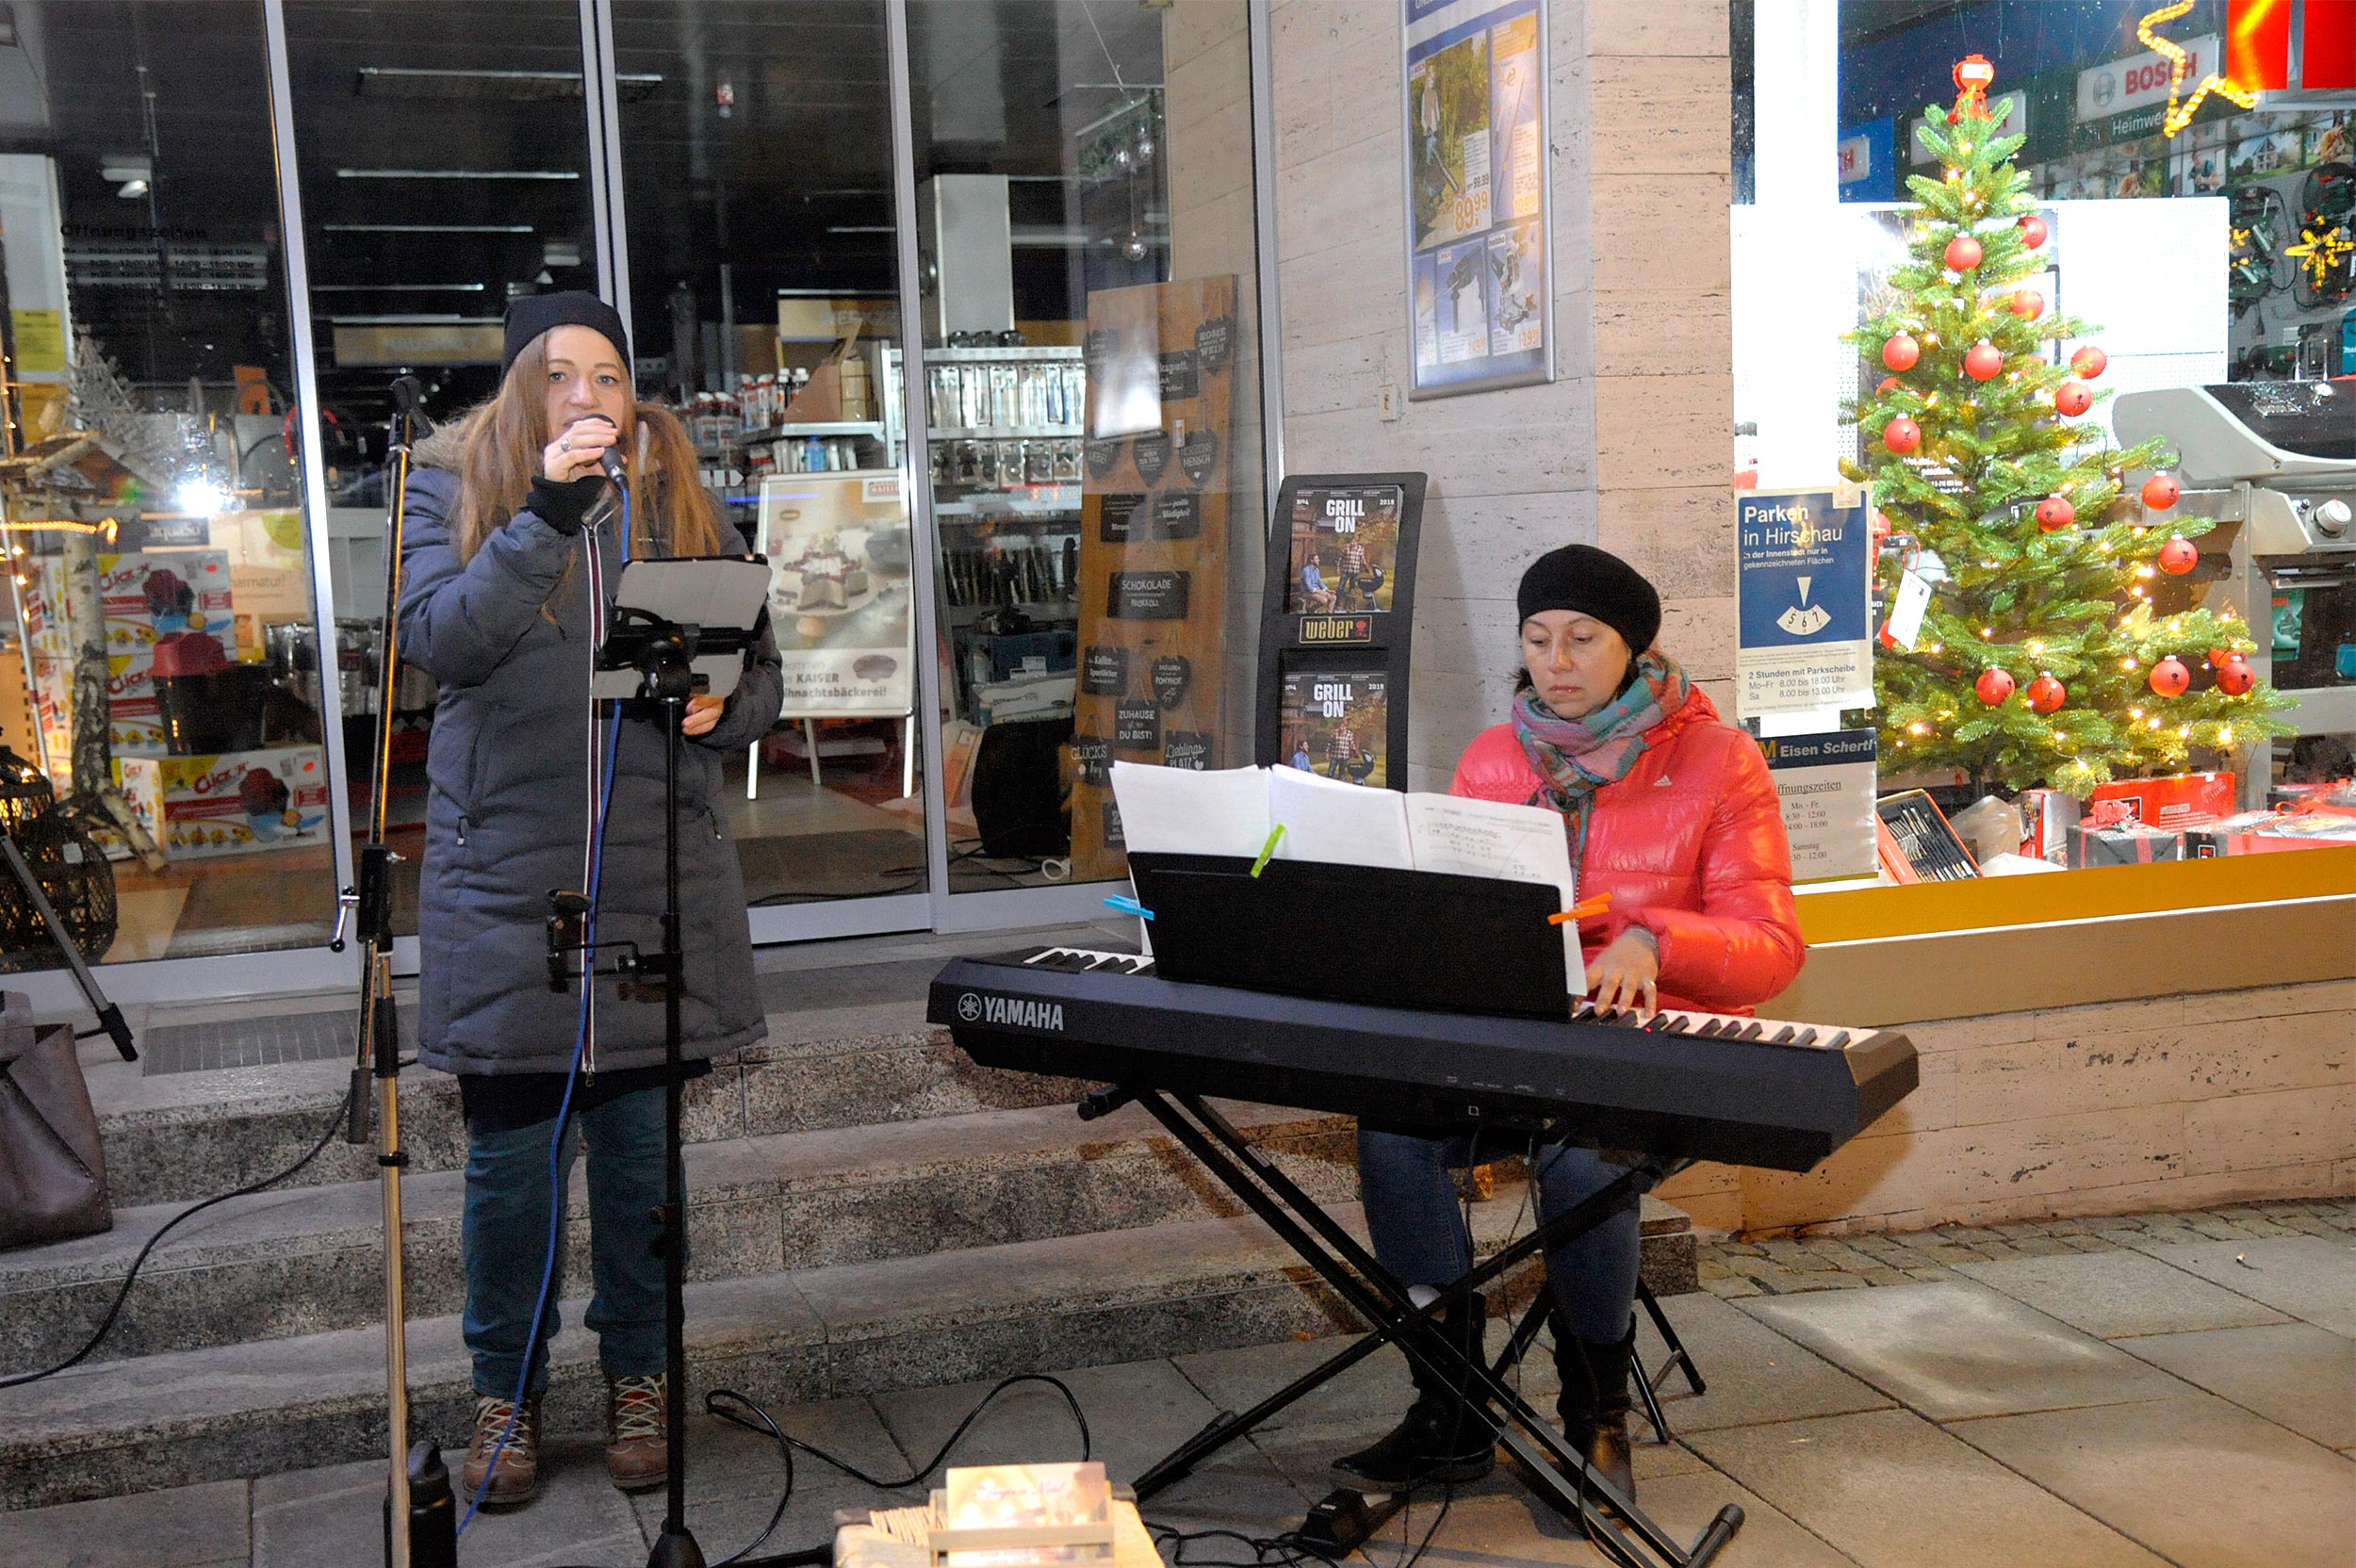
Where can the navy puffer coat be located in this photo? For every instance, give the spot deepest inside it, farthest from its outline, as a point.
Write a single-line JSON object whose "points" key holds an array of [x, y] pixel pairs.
{"points": [[507, 809]]}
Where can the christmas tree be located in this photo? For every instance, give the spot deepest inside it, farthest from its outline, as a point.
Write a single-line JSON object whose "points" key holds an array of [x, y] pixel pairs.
{"points": [[2062, 647]]}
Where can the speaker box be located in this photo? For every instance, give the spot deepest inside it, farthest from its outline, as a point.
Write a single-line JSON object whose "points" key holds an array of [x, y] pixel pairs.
{"points": [[1018, 789]]}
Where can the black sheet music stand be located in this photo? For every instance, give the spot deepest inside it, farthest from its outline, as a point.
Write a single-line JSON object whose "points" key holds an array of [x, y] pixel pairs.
{"points": [[1408, 939]]}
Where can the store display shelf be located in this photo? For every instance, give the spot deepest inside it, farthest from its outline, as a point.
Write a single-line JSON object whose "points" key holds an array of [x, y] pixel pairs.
{"points": [[1011, 432], [872, 431], [992, 356], [1063, 612], [1020, 506]]}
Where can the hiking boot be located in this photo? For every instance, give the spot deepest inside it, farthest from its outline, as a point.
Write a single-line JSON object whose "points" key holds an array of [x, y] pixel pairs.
{"points": [[1445, 1437], [515, 1476], [637, 1451]]}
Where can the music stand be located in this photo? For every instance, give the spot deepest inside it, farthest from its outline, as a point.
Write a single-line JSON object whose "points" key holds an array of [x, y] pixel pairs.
{"points": [[654, 658]]}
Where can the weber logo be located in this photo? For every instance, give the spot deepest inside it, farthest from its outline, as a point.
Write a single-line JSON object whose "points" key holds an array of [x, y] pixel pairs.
{"points": [[1010, 1013]]}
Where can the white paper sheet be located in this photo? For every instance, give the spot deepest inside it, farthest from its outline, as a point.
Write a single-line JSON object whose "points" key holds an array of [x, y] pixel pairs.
{"points": [[1185, 812], [1489, 837], [1345, 823]]}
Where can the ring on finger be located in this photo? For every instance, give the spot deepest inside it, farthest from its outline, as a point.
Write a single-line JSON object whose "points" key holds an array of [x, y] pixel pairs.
{"points": [[564, 444]]}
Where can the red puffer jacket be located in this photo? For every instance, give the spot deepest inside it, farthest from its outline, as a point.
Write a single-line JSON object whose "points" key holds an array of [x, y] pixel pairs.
{"points": [[1689, 845]]}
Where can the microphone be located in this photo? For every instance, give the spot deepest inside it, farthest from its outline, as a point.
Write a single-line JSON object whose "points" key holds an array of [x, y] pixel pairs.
{"points": [[610, 460]]}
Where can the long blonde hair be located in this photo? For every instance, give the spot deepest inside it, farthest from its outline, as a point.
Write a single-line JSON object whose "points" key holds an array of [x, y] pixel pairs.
{"points": [[502, 440]]}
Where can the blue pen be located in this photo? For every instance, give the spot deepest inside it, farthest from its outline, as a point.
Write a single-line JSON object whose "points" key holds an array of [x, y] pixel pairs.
{"points": [[1128, 906]]}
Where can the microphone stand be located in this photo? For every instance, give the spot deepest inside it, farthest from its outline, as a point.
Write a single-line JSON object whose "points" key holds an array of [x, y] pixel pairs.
{"points": [[420, 1524]]}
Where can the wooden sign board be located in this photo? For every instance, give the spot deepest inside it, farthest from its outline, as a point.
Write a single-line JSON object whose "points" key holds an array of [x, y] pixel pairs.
{"points": [[1156, 488]]}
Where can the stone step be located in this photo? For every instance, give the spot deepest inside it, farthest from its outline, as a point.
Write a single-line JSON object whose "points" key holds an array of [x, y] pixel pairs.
{"points": [[181, 1136], [297, 1261], [255, 1409]]}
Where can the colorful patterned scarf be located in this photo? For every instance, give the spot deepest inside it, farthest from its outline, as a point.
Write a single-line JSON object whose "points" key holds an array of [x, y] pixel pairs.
{"points": [[1577, 757]]}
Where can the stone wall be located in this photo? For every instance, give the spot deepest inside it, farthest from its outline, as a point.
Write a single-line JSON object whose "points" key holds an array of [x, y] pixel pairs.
{"points": [[1631, 446], [2177, 1102]]}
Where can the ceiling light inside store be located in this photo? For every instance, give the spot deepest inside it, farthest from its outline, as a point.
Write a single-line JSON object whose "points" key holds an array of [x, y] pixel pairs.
{"points": [[131, 172], [507, 87], [425, 228], [398, 287], [457, 174], [203, 497]]}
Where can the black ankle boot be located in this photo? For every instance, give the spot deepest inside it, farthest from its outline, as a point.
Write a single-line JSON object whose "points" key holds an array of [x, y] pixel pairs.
{"points": [[1594, 1404], [1444, 1437]]}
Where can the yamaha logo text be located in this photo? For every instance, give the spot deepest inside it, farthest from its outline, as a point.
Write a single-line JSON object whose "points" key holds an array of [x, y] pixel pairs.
{"points": [[1010, 1012]]}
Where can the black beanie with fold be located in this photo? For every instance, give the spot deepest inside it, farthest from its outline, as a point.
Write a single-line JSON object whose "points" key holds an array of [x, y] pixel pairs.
{"points": [[531, 315], [1593, 582]]}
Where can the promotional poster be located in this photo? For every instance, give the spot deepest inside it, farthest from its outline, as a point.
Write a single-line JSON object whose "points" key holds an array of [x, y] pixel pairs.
{"points": [[1345, 550], [1807, 641], [1334, 724], [839, 559], [1825, 785], [1478, 267]]}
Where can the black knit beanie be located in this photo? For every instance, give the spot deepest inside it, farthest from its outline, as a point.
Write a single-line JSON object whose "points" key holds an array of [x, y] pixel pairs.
{"points": [[531, 315], [1593, 582]]}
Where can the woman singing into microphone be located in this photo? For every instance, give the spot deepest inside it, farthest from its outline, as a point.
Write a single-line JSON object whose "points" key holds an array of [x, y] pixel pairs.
{"points": [[1672, 814], [502, 605]]}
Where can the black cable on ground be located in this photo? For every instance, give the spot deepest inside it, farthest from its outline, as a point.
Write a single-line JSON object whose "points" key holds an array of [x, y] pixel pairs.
{"points": [[106, 1324]]}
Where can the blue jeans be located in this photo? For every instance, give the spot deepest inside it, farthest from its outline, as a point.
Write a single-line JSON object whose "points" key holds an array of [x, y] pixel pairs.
{"points": [[1420, 1236], [505, 1236]]}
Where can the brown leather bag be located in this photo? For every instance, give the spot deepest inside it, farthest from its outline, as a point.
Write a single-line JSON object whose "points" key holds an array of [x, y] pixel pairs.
{"points": [[53, 1173]]}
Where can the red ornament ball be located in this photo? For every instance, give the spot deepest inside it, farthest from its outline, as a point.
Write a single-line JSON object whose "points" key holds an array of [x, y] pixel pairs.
{"points": [[2219, 658], [1963, 254], [2056, 512], [1900, 352], [2072, 398], [2169, 678], [2089, 362], [2046, 694], [2177, 556], [1901, 435], [2032, 231], [2028, 303], [2160, 491], [2235, 676], [1887, 383], [1982, 361], [1881, 524], [1993, 686]]}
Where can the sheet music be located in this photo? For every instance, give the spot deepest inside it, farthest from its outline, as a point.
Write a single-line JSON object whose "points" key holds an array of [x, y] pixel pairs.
{"points": [[1182, 811], [1325, 819], [1489, 837]]}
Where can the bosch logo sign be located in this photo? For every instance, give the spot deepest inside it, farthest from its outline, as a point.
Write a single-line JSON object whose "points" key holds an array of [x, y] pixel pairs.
{"points": [[2105, 89], [970, 1007]]}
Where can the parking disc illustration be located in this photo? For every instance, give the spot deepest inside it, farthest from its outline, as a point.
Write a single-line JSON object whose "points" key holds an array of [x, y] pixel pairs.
{"points": [[1804, 618]]}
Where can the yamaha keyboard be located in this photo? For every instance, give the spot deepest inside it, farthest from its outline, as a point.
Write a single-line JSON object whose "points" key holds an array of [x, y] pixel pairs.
{"points": [[1679, 1085]]}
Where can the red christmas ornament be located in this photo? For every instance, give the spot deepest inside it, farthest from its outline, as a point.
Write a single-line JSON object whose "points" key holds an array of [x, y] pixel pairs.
{"points": [[2032, 231], [1982, 361], [1881, 526], [2169, 678], [2235, 676], [2089, 362], [1901, 435], [2056, 512], [1887, 383], [2046, 694], [1900, 352], [2028, 303], [2072, 398], [2219, 658], [2160, 491], [1963, 254], [2177, 556], [1993, 686]]}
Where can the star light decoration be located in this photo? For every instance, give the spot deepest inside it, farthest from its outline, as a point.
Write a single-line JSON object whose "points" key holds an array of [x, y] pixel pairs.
{"points": [[2180, 111], [2321, 254]]}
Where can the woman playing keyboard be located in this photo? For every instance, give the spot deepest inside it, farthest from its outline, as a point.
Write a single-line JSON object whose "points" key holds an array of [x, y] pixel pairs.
{"points": [[1671, 812]]}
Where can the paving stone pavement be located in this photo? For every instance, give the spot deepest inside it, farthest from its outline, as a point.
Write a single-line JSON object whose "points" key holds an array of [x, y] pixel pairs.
{"points": [[1732, 1270], [2035, 1406]]}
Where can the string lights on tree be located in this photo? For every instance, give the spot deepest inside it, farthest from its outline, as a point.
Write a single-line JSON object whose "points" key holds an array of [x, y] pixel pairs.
{"points": [[2059, 594]]}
